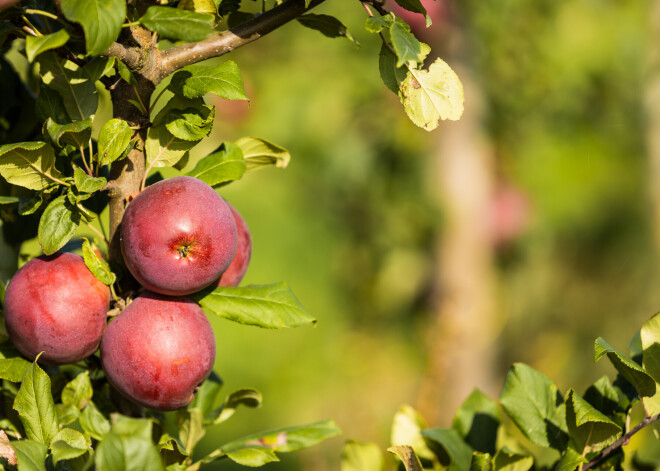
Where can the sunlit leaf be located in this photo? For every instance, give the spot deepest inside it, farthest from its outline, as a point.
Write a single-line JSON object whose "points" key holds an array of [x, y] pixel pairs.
{"points": [[35, 45], [535, 405], [35, 406], [57, 225], [196, 81], [69, 444], [29, 164], [99, 267], [259, 152], [174, 23], [72, 83], [358, 456], [114, 138], [269, 306], [100, 19], [429, 96], [590, 428], [225, 165]]}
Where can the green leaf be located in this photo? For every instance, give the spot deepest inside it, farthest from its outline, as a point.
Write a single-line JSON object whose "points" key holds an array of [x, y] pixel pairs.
{"points": [[590, 429], [407, 426], [93, 422], [650, 339], [391, 75], [376, 24], [57, 225], [127, 453], [101, 21], [243, 397], [631, 371], [13, 369], [29, 164], [114, 138], [450, 448], [69, 444], [191, 428], [358, 456], [100, 67], [287, 439], [269, 306], [190, 124], [66, 414], [35, 45], [506, 460], [327, 25], [31, 455], [195, 81], [535, 405], [78, 392], [99, 267], [259, 152], [163, 148], [126, 74], [35, 406], [481, 462], [570, 460], [208, 393], [132, 426], [72, 83], [429, 96], [407, 456], [225, 165], [408, 49], [200, 6], [49, 104], [178, 24], [76, 133], [608, 399], [415, 6], [478, 421], [253, 456], [85, 183]]}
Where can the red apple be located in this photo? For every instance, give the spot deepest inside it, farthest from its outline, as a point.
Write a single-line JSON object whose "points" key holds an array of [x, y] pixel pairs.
{"points": [[178, 236], [158, 351], [55, 305], [239, 265]]}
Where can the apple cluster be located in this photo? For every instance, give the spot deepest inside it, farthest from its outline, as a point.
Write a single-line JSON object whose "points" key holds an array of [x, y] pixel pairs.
{"points": [[178, 237]]}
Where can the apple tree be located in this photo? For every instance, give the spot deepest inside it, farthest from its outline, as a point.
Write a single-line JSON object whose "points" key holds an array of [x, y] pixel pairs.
{"points": [[106, 355]]}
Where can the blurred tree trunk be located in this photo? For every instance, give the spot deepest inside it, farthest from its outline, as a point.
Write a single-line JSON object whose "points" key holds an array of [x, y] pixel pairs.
{"points": [[652, 105], [460, 341]]}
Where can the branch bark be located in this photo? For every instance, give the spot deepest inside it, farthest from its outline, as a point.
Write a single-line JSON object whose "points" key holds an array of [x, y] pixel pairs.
{"points": [[187, 54], [620, 442]]}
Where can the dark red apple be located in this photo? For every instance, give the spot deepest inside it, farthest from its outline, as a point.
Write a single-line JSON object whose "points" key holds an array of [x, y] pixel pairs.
{"points": [[55, 305], [178, 236], [239, 265], [158, 351]]}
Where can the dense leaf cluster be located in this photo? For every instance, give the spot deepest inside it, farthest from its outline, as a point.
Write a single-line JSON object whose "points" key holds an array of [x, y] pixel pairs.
{"points": [[581, 431]]}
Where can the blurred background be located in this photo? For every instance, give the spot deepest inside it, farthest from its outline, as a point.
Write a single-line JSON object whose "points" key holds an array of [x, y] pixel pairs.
{"points": [[433, 261]]}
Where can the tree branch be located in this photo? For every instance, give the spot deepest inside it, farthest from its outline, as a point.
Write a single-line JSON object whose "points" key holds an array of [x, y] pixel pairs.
{"points": [[181, 56], [620, 442]]}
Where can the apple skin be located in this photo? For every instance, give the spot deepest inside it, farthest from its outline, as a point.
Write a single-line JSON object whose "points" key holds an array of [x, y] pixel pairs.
{"points": [[178, 236], [158, 351], [55, 305], [239, 265]]}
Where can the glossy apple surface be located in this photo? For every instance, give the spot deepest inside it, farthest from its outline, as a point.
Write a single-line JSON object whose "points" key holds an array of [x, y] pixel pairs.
{"points": [[55, 305], [158, 351], [239, 265], [178, 236]]}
